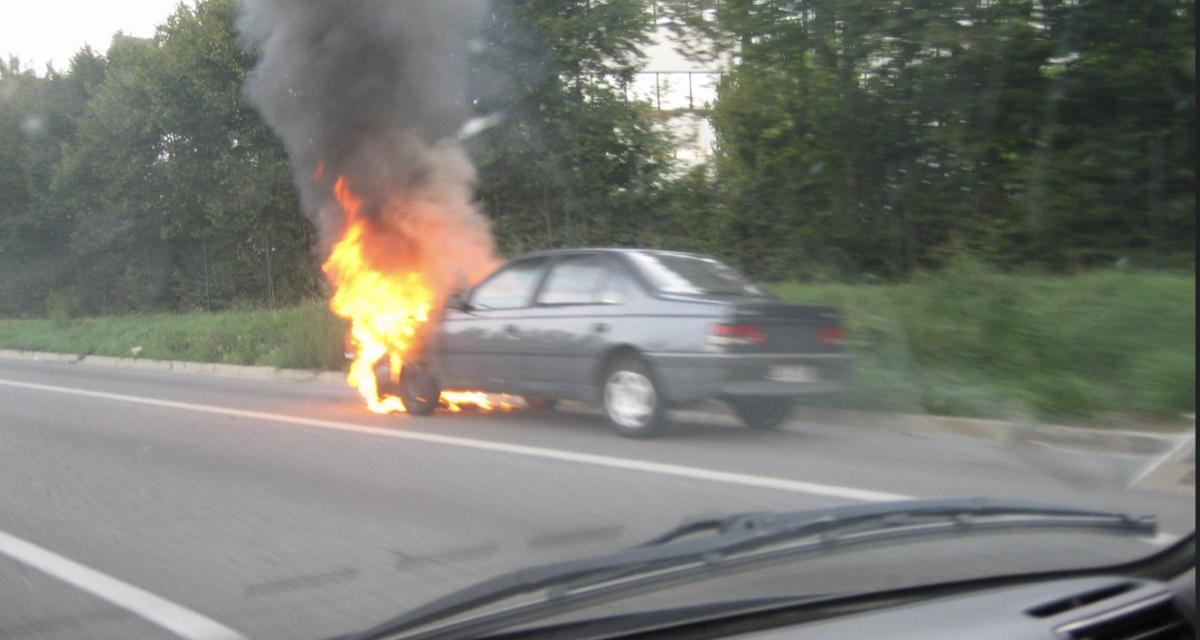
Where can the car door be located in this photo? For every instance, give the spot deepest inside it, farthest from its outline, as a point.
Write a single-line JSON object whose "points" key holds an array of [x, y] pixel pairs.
{"points": [[571, 321], [481, 345]]}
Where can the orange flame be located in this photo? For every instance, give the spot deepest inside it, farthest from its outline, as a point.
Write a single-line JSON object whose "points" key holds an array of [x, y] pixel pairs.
{"points": [[385, 309], [386, 306]]}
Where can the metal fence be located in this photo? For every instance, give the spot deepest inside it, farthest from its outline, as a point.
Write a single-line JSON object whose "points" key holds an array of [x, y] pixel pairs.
{"points": [[673, 91]]}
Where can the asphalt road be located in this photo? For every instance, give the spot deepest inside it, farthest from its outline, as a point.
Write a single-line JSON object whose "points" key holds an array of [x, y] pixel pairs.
{"points": [[139, 504]]}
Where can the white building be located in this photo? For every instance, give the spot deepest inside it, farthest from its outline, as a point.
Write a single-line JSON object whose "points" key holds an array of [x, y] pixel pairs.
{"points": [[683, 90]]}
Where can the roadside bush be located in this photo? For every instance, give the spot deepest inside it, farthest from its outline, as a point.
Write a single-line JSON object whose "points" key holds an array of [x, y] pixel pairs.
{"points": [[972, 341], [1165, 381], [60, 307], [307, 336], [967, 341]]}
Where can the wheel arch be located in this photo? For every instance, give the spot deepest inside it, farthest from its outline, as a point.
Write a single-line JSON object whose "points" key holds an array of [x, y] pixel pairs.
{"points": [[614, 353]]}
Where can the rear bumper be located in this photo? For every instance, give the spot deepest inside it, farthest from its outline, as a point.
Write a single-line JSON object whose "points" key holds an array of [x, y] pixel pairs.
{"points": [[693, 377]]}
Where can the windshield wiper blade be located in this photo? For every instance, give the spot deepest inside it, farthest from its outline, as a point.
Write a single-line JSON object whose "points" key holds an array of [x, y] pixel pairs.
{"points": [[884, 514], [732, 543]]}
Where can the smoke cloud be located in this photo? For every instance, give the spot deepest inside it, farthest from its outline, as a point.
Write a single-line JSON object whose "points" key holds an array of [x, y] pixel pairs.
{"points": [[372, 90]]}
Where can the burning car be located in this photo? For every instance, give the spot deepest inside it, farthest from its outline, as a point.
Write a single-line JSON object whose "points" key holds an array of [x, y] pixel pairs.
{"points": [[636, 331]]}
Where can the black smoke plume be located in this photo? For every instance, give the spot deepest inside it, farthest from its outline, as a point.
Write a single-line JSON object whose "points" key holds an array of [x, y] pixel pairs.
{"points": [[372, 91]]}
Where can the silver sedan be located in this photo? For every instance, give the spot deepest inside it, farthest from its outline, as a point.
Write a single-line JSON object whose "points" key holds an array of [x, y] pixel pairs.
{"points": [[636, 331]]}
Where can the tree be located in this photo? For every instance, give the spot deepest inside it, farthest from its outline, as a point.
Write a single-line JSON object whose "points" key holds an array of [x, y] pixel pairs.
{"points": [[108, 185], [571, 161], [858, 136], [169, 192], [1115, 170], [853, 137], [233, 224], [38, 114]]}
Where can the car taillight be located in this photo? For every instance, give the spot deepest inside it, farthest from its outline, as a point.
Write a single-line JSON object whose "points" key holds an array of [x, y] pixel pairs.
{"points": [[831, 336], [741, 334]]}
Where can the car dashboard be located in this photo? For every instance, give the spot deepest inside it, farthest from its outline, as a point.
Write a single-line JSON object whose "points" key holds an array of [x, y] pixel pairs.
{"points": [[1093, 608]]}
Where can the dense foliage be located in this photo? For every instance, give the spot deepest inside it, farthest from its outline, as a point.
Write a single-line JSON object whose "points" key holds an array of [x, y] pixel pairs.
{"points": [[858, 136], [854, 138], [144, 181]]}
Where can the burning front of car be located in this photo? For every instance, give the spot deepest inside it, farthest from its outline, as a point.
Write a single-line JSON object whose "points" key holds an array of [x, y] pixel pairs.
{"points": [[367, 99]]}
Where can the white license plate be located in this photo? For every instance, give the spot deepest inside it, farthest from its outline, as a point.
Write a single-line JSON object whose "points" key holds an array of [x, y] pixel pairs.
{"points": [[792, 373]]}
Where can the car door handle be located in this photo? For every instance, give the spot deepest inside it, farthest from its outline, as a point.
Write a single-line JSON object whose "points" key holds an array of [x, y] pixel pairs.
{"points": [[600, 327], [510, 331]]}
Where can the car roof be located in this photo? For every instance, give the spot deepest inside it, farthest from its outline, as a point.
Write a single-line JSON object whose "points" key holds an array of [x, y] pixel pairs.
{"points": [[602, 250]]}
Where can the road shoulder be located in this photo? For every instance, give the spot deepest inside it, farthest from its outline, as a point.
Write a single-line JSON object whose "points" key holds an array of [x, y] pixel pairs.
{"points": [[1103, 439]]}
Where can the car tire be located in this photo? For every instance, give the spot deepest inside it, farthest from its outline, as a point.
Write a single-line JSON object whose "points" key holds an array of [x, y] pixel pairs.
{"points": [[763, 413], [419, 390], [632, 399], [540, 403]]}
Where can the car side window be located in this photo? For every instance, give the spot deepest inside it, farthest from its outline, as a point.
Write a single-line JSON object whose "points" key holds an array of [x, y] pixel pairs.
{"points": [[511, 288], [576, 280], [613, 291]]}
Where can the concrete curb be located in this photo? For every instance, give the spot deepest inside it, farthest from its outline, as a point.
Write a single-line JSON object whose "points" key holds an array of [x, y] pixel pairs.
{"points": [[1121, 441], [180, 366]]}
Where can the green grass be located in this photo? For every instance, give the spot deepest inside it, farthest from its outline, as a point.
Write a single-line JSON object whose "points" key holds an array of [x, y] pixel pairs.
{"points": [[301, 337], [1098, 347], [972, 342]]}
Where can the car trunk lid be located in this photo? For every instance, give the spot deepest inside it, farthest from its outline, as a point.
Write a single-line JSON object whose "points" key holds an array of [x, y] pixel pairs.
{"points": [[769, 326]]}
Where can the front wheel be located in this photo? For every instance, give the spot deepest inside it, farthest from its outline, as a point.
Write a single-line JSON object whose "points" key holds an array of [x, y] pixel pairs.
{"points": [[632, 399], [419, 390], [763, 413]]}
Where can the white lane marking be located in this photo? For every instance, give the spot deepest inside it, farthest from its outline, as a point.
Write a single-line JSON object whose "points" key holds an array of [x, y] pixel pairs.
{"points": [[1161, 459], [1086, 452], [181, 621], [782, 484], [1161, 539]]}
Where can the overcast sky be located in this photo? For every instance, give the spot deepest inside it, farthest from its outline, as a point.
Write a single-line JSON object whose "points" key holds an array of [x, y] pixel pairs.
{"points": [[39, 32], [45, 31], [42, 31]]}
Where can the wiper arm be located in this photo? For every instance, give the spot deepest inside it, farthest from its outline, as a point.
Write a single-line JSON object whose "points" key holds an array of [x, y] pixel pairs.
{"points": [[733, 543], [882, 515]]}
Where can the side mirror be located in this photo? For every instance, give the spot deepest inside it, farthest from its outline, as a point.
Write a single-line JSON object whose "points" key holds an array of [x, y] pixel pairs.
{"points": [[458, 301]]}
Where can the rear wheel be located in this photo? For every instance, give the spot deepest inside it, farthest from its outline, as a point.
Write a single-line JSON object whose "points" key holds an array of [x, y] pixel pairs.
{"points": [[763, 413], [419, 390], [632, 399]]}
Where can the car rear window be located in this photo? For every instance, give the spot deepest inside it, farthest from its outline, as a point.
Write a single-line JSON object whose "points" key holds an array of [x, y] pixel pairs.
{"points": [[677, 273]]}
